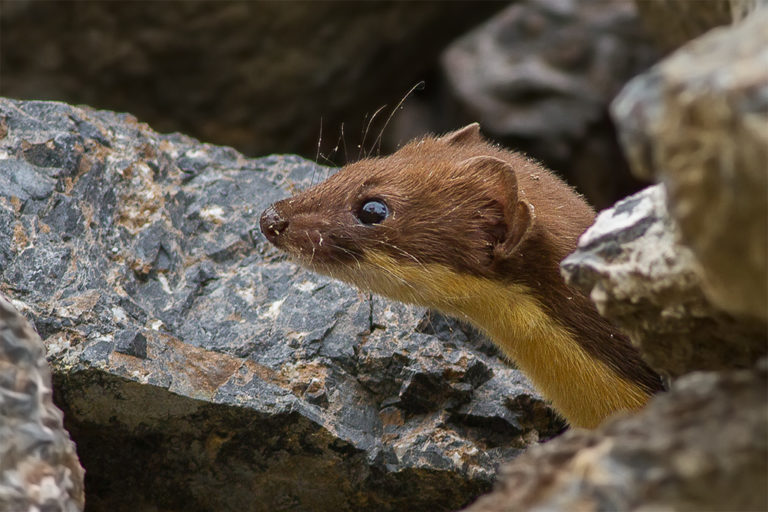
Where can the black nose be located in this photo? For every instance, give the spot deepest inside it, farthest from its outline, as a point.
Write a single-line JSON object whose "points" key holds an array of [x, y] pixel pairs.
{"points": [[272, 224]]}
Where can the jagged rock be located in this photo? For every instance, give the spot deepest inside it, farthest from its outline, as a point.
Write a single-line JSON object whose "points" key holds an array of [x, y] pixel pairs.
{"points": [[261, 76], [198, 370], [702, 446], [673, 23], [39, 469], [634, 267], [539, 76], [699, 122]]}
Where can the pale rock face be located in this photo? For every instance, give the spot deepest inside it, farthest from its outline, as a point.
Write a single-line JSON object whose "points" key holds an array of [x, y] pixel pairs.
{"points": [[634, 267]]}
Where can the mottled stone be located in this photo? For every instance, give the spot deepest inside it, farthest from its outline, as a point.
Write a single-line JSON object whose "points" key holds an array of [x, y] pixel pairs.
{"points": [[634, 267], [39, 469], [699, 122], [198, 366]]}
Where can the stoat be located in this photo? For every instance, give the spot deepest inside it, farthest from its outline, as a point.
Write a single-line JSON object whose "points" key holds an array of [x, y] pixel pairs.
{"points": [[459, 225]]}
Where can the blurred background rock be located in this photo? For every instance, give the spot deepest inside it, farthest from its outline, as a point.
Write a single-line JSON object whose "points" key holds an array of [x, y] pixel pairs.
{"points": [[265, 76]]}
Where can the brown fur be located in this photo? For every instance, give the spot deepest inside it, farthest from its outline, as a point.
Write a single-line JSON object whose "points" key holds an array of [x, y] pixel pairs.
{"points": [[460, 203]]}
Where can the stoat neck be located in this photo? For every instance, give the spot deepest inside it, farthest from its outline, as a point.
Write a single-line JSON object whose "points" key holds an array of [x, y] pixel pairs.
{"points": [[584, 389]]}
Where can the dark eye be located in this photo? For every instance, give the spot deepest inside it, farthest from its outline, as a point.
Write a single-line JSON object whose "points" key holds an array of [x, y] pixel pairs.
{"points": [[373, 212]]}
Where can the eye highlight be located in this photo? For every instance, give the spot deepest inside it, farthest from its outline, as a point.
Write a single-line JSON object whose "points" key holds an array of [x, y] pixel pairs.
{"points": [[373, 211]]}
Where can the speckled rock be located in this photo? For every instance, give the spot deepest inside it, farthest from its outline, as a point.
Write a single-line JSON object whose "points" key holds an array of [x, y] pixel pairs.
{"points": [[699, 122], [39, 469], [198, 368], [634, 267], [702, 446], [539, 76]]}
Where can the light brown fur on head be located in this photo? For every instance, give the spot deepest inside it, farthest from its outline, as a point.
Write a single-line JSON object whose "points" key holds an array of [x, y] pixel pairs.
{"points": [[471, 228], [456, 183]]}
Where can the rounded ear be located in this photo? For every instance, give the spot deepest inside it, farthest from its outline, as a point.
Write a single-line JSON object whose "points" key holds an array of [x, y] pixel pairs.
{"points": [[497, 177], [499, 181], [521, 227], [470, 133]]}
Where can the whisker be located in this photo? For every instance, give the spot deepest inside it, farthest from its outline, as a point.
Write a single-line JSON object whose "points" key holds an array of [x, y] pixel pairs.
{"points": [[401, 251], [419, 86], [362, 137], [367, 128], [319, 139], [344, 143]]}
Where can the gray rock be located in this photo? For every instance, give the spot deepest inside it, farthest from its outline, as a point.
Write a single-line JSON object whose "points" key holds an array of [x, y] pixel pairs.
{"points": [[39, 469], [699, 122], [634, 267], [702, 446], [199, 370]]}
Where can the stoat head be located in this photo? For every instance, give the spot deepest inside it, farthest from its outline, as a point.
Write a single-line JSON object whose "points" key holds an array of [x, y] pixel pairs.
{"points": [[449, 202]]}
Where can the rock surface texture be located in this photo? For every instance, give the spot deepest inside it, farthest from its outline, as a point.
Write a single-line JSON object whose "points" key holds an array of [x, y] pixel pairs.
{"points": [[634, 267], [39, 470], [539, 76], [202, 371], [699, 122]]}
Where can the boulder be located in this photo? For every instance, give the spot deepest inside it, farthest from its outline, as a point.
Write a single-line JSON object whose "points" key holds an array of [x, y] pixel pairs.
{"points": [[673, 23]]}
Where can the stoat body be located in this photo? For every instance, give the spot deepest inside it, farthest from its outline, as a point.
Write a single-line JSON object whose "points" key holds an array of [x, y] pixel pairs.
{"points": [[456, 224]]}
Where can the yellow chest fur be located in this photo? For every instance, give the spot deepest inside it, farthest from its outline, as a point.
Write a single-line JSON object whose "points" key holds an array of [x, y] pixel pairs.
{"points": [[584, 389]]}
